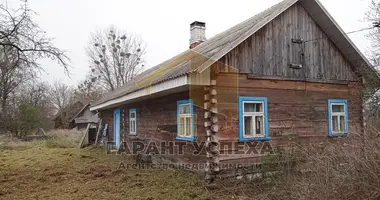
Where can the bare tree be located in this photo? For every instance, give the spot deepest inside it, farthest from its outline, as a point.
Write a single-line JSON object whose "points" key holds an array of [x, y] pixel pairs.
{"points": [[12, 75], [89, 90], [36, 94], [22, 43], [61, 95], [115, 57], [20, 34], [373, 16], [373, 92]]}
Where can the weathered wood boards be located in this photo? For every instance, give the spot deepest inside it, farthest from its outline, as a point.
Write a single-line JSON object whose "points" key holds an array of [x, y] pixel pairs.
{"points": [[85, 136], [297, 111], [270, 51], [99, 131]]}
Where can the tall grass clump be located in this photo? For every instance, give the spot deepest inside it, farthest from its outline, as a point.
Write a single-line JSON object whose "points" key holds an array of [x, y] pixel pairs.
{"points": [[63, 138], [340, 168]]}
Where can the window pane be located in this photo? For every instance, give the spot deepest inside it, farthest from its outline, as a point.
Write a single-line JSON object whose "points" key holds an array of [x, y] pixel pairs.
{"points": [[133, 115], [259, 125], [335, 125], [132, 127], [253, 107], [338, 108], [184, 109], [188, 126], [342, 124], [181, 126], [248, 129]]}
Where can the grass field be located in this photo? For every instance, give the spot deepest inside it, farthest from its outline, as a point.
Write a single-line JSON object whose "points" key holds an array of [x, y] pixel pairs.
{"points": [[41, 171]]}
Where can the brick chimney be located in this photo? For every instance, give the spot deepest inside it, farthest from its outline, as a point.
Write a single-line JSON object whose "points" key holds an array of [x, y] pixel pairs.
{"points": [[197, 33]]}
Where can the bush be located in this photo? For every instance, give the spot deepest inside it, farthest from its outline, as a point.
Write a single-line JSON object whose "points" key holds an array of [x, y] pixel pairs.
{"points": [[342, 168], [63, 139]]}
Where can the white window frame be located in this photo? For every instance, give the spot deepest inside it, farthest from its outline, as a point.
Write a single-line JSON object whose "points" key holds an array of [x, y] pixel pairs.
{"points": [[132, 119], [187, 117], [338, 114], [188, 121], [254, 115]]}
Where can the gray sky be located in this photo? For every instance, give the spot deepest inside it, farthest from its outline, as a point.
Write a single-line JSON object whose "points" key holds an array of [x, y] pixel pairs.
{"points": [[162, 24]]}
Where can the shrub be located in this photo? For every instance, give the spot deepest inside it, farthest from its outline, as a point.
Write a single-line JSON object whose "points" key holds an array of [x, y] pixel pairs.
{"points": [[342, 168]]}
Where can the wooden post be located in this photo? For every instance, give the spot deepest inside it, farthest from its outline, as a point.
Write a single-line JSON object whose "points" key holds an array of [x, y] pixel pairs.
{"points": [[98, 132], [212, 128], [84, 136]]}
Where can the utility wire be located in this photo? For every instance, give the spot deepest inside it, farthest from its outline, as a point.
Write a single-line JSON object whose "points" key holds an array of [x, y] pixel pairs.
{"points": [[375, 25]]}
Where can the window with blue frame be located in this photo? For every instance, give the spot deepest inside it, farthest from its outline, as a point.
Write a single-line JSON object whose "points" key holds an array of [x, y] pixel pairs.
{"points": [[185, 120], [132, 122], [338, 117], [253, 118]]}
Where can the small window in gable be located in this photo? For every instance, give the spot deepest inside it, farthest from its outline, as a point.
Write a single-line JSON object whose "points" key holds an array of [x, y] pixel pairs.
{"points": [[253, 122], [132, 122], [338, 118], [185, 120]]}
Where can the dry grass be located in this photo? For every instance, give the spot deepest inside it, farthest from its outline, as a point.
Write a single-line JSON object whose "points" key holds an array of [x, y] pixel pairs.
{"points": [[37, 171], [63, 138], [344, 168], [341, 169]]}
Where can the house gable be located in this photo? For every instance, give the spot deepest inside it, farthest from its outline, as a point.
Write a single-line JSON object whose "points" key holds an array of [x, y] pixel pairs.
{"points": [[270, 51]]}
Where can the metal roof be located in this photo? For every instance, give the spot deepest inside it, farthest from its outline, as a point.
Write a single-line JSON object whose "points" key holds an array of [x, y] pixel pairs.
{"points": [[198, 59]]}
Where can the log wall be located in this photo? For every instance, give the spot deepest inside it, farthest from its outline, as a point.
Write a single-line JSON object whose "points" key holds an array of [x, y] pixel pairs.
{"points": [[297, 111], [157, 122]]}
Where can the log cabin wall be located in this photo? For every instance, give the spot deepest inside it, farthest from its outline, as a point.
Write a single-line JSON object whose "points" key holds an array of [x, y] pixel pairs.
{"points": [[297, 98], [270, 51], [157, 122], [297, 110]]}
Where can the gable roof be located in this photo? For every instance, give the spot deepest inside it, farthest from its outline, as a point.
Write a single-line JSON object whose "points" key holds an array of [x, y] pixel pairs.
{"points": [[198, 59], [70, 110]]}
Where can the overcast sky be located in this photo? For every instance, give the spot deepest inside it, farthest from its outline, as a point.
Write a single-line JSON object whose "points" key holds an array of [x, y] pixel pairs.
{"points": [[162, 24]]}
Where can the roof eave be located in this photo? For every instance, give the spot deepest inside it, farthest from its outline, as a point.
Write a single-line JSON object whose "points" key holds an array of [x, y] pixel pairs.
{"points": [[144, 92]]}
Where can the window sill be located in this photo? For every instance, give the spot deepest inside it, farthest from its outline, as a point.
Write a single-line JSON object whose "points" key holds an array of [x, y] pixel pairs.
{"points": [[254, 139], [332, 135], [189, 139]]}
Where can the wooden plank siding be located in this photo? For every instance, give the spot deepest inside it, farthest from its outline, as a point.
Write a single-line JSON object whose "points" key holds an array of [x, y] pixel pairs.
{"points": [[157, 122], [270, 51], [297, 110]]}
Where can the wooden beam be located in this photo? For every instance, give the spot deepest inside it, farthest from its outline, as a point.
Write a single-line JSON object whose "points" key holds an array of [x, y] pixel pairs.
{"points": [[214, 110], [84, 136], [207, 114], [213, 82], [207, 123], [214, 119], [206, 105], [98, 132], [207, 97], [340, 82], [215, 128], [213, 92]]}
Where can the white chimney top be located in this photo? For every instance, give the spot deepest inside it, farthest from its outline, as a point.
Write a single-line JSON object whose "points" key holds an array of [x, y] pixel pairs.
{"points": [[197, 33]]}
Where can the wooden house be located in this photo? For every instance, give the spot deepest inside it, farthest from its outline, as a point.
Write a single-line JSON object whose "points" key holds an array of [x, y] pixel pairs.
{"points": [[288, 72], [76, 115]]}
